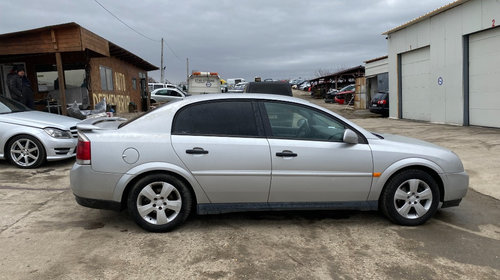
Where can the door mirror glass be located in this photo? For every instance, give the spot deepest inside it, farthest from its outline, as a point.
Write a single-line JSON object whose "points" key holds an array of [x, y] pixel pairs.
{"points": [[350, 137]]}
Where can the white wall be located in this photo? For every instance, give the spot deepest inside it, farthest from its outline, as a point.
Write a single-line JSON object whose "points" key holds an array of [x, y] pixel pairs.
{"points": [[376, 67], [444, 34]]}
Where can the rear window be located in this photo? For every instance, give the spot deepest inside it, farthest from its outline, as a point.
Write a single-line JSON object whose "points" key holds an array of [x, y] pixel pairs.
{"points": [[223, 118]]}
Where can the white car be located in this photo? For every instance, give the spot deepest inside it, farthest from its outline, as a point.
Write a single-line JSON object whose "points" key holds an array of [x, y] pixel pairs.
{"points": [[163, 95], [28, 138]]}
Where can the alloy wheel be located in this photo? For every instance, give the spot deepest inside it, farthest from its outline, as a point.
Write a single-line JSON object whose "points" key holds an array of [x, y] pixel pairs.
{"points": [[159, 203], [413, 199], [24, 152]]}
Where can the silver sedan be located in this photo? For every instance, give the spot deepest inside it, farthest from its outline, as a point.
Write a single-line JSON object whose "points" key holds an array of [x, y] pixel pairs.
{"points": [[28, 138], [168, 94], [228, 153]]}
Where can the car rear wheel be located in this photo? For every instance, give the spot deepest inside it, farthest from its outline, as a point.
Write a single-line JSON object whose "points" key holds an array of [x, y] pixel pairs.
{"points": [[410, 198], [159, 202], [26, 151]]}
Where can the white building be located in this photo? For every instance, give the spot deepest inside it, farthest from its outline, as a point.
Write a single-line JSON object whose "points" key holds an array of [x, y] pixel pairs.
{"points": [[444, 66]]}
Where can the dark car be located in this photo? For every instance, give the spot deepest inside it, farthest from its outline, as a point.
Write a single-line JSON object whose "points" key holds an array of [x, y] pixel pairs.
{"points": [[380, 104], [330, 95], [280, 88]]}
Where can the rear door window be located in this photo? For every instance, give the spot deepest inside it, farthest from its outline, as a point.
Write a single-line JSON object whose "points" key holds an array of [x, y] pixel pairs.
{"points": [[220, 118]]}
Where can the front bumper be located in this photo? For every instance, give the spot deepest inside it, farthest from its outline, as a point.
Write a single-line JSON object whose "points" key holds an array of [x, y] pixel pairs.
{"points": [[456, 187], [58, 149]]}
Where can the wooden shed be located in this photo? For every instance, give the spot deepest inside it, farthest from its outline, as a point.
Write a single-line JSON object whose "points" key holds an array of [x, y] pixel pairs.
{"points": [[67, 63]]}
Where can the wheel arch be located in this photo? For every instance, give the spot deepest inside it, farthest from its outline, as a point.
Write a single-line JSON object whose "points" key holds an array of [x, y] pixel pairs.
{"points": [[427, 166], [21, 133], [128, 180]]}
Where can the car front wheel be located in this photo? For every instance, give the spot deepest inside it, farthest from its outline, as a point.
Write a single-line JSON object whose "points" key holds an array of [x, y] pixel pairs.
{"points": [[26, 151], [410, 198], [159, 202]]}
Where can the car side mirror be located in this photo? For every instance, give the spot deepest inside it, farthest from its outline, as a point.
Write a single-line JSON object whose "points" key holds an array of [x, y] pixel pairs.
{"points": [[350, 137]]}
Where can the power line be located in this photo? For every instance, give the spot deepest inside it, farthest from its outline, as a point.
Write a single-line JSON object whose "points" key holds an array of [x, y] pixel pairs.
{"points": [[126, 23]]}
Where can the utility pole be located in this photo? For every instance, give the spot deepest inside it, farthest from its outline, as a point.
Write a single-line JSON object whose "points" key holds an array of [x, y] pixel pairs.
{"points": [[161, 69], [187, 70]]}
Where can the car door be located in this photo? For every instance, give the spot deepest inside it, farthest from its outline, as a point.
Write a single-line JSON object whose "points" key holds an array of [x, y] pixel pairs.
{"points": [[160, 95], [222, 143], [310, 162]]}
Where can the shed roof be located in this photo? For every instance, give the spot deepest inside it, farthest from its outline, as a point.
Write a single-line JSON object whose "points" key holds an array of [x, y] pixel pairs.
{"points": [[112, 49], [426, 16], [357, 71], [376, 59]]}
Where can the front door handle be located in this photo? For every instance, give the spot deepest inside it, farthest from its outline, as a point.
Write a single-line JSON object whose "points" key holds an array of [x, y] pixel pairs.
{"points": [[197, 151], [286, 153]]}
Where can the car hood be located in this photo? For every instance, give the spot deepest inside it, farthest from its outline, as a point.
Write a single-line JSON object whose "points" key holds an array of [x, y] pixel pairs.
{"points": [[39, 119], [394, 147], [402, 140]]}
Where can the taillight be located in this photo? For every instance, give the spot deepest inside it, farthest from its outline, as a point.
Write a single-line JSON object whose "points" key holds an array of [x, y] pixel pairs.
{"points": [[382, 102], [83, 154]]}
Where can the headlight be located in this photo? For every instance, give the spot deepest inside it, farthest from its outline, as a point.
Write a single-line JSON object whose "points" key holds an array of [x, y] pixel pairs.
{"points": [[57, 133]]}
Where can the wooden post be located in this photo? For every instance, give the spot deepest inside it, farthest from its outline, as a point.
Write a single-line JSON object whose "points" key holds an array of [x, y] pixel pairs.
{"points": [[62, 89]]}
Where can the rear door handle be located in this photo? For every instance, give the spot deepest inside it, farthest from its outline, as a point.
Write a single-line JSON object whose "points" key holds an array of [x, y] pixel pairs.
{"points": [[197, 151], [286, 153]]}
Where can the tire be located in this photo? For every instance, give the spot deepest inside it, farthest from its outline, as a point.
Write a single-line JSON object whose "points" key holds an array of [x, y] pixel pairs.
{"points": [[25, 151], [410, 198], [159, 202]]}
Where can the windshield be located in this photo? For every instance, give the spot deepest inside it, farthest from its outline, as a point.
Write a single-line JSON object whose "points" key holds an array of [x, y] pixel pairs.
{"points": [[10, 106], [347, 88]]}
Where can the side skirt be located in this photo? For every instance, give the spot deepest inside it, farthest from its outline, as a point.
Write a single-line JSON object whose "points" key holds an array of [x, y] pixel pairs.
{"points": [[219, 208]]}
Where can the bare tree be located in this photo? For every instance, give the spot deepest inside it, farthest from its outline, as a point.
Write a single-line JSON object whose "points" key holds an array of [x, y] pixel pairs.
{"points": [[322, 72], [325, 72]]}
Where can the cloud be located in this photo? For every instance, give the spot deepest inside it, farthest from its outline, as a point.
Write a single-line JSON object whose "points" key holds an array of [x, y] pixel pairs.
{"points": [[245, 38]]}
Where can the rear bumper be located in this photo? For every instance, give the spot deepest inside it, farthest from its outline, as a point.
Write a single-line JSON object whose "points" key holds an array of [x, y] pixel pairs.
{"points": [[91, 185], [99, 204], [379, 110]]}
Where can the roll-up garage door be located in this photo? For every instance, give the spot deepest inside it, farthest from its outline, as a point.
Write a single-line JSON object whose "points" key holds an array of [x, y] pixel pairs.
{"points": [[484, 76], [415, 84]]}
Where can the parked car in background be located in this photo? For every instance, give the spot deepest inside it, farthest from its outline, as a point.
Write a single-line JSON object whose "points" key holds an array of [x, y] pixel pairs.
{"points": [[330, 95], [344, 95], [281, 88], [238, 88], [186, 156], [305, 86], [167, 94], [295, 82], [232, 82], [153, 86], [380, 104], [28, 138]]}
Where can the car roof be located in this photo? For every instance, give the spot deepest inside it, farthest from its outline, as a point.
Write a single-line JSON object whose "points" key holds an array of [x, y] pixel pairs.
{"points": [[274, 87], [174, 106]]}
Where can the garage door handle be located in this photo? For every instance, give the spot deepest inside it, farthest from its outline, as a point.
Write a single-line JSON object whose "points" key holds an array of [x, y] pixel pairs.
{"points": [[286, 154], [196, 151]]}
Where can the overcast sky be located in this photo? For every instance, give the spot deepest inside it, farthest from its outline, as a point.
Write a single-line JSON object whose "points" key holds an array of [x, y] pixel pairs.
{"points": [[278, 39]]}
